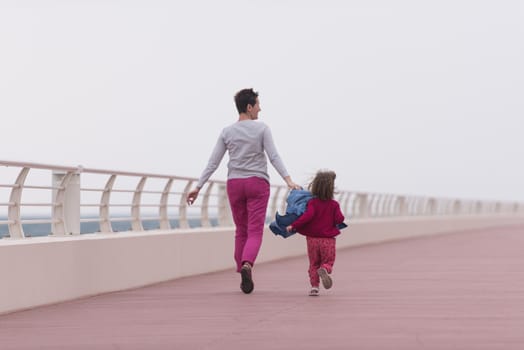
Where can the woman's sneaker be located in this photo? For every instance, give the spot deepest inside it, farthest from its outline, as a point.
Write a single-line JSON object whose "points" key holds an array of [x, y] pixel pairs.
{"points": [[327, 282], [314, 292], [247, 284]]}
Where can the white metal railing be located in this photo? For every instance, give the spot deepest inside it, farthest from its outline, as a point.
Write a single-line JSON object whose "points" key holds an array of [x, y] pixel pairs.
{"points": [[66, 200]]}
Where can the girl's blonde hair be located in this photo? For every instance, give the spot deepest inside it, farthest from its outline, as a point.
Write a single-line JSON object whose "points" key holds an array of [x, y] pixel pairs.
{"points": [[323, 185]]}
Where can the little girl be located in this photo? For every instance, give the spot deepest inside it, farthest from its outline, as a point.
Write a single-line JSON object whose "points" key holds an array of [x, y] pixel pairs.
{"points": [[319, 224]]}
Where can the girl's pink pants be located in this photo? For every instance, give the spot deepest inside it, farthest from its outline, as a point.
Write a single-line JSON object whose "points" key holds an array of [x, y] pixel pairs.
{"points": [[321, 253], [248, 199]]}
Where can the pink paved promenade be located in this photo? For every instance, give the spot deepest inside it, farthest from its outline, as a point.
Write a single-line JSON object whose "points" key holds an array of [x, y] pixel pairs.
{"points": [[457, 291]]}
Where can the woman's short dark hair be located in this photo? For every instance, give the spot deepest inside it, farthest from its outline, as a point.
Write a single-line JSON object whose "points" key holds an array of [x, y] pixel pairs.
{"points": [[245, 97]]}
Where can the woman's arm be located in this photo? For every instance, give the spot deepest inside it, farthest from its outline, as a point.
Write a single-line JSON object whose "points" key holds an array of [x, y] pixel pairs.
{"points": [[276, 161], [212, 165]]}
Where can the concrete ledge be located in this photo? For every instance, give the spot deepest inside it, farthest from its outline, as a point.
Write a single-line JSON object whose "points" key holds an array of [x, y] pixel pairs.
{"points": [[46, 270]]}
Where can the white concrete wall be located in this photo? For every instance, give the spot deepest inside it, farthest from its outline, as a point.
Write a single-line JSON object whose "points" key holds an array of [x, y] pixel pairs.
{"points": [[45, 270]]}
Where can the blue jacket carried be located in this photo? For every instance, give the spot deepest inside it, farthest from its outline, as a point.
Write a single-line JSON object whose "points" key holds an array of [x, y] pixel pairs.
{"points": [[296, 206]]}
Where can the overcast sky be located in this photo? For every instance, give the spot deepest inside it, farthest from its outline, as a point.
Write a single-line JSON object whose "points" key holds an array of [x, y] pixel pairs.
{"points": [[406, 97]]}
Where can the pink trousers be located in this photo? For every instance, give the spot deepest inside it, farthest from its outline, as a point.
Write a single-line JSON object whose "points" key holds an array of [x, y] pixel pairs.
{"points": [[248, 199], [321, 253]]}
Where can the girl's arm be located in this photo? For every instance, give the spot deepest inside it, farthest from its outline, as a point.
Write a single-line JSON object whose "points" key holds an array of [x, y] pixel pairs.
{"points": [[339, 217], [304, 218]]}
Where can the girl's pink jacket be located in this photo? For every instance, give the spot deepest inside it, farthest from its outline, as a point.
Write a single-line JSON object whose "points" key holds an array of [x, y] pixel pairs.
{"points": [[319, 219]]}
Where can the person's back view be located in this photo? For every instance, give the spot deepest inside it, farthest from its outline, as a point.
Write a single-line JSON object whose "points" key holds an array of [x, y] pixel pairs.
{"points": [[247, 156], [319, 224], [247, 143]]}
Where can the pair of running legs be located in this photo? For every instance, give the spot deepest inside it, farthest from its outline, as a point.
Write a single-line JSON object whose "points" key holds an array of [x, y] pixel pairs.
{"points": [[247, 285], [321, 253], [248, 199]]}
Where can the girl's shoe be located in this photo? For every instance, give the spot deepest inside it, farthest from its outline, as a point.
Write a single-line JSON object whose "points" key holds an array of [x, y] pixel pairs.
{"points": [[247, 284], [327, 282], [314, 292]]}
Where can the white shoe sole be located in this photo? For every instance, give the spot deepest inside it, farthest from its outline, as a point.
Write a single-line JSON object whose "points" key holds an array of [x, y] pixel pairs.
{"points": [[327, 282]]}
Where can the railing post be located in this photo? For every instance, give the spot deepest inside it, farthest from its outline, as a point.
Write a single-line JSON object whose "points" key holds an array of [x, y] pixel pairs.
{"points": [[402, 206], [183, 221], [136, 222], [105, 221], [346, 203], [13, 212], [457, 207], [478, 207], [432, 206], [65, 210], [164, 218], [379, 204], [274, 203], [363, 211], [390, 200], [204, 216]]}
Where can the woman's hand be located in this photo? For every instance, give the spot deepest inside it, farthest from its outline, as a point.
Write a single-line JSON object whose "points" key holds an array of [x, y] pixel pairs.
{"points": [[291, 184], [294, 186], [192, 196]]}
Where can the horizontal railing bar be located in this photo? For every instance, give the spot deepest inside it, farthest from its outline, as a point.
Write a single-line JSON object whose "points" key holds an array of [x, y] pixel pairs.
{"points": [[81, 169], [147, 205], [132, 191], [90, 220], [128, 173], [147, 218], [193, 206], [37, 165], [31, 187], [38, 221], [120, 219]]}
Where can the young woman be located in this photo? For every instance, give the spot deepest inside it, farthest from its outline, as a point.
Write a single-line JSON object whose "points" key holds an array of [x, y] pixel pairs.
{"points": [[247, 142]]}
